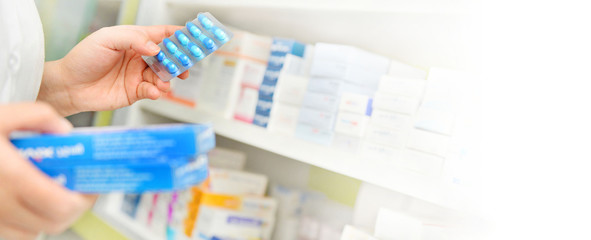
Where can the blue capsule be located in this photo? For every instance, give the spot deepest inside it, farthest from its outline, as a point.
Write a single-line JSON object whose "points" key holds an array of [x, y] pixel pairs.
{"points": [[209, 44], [170, 66], [205, 22], [183, 39], [220, 34], [196, 51], [172, 48], [194, 30], [186, 61], [160, 56]]}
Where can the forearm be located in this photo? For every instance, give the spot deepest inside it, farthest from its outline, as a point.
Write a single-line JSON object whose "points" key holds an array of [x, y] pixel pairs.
{"points": [[54, 89]]}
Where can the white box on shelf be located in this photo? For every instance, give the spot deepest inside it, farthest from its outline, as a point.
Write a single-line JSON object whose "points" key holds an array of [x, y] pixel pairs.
{"points": [[393, 225], [284, 118], [325, 85], [358, 89], [404, 70], [226, 158], [353, 233], [387, 136], [395, 103], [221, 83], [356, 103], [330, 59], [291, 89], [391, 119], [253, 75], [351, 124], [246, 106], [364, 77], [402, 86], [317, 118], [233, 182], [380, 152], [230, 216], [346, 143], [248, 44], [242, 60], [428, 142], [321, 101], [334, 60], [314, 134]]}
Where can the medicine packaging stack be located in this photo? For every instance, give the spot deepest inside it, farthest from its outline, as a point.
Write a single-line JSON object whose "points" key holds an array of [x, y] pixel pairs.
{"points": [[443, 122], [226, 158], [395, 104], [336, 69], [195, 41], [250, 74], [352, 121], [289, 93], [286, 57], [306, 214], [230, 204], [324, 219], [102, 160]]}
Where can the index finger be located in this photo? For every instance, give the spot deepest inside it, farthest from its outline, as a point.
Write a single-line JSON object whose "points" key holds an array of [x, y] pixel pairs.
{"points": [[159, 32]]}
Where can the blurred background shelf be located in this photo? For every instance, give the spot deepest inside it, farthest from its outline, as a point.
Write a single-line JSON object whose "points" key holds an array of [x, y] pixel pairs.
{"points": [[423, 6], [368, 170]]}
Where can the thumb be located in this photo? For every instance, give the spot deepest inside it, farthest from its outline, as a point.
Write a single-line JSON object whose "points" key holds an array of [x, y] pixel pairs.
{"points": [[39, 117], [126, 38]]}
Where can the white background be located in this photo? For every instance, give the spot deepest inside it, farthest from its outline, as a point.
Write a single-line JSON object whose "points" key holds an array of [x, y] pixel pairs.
{"points": [[536, 121]]}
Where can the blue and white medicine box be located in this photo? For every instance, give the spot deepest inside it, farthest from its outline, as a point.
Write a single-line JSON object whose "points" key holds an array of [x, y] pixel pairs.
{"points": [[262, 112], [158, 174], [116, 143], [100, 160], [281, 47]]}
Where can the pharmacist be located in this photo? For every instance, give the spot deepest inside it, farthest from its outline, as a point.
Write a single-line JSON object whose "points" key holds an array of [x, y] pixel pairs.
{"points": [[105, 71]]}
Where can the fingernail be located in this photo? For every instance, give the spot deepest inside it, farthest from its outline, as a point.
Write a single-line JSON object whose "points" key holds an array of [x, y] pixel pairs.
{"points": [[152, 47]]}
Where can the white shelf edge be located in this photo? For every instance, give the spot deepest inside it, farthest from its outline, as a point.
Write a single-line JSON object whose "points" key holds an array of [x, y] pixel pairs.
{"points": [[374, 172], [325, 6]]}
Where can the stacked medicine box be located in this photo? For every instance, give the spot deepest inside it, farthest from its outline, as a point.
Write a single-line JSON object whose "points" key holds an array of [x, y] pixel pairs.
{"points": [[335, 69], [231, 204], [441, 137], [286, 58], [252, 77], [289, 93], [389, 133], [240, 62]]}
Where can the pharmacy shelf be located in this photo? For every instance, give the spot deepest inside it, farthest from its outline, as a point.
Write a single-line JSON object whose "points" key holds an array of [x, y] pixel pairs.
{"points": [[365, 169]]}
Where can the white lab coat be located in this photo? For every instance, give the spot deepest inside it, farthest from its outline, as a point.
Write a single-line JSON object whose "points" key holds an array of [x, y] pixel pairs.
{"points": [[21, 51]]}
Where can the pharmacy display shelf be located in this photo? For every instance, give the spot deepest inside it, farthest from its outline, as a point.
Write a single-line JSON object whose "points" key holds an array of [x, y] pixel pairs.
{"points": [[421, 7], [377, 172]]}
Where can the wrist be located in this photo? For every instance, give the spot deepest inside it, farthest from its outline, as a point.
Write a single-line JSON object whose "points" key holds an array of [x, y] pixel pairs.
{"points": [[54, 89]]}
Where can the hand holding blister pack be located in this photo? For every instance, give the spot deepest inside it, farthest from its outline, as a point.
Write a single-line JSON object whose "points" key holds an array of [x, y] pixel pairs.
{"points": [[189, 45]]}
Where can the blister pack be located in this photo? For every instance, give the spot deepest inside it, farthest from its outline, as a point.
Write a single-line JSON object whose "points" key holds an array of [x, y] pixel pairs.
{"points": [[179, 52]]}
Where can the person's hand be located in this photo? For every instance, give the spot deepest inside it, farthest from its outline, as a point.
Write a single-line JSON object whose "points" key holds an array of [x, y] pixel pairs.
{"points": [[105, 71], [30, 201]]}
